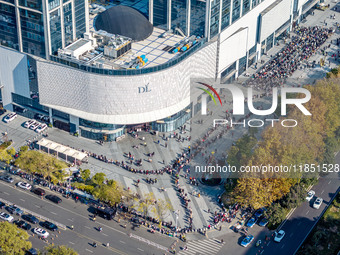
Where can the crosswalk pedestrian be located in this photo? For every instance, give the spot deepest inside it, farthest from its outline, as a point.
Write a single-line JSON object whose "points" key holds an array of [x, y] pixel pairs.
{"points": [[208, 246]]}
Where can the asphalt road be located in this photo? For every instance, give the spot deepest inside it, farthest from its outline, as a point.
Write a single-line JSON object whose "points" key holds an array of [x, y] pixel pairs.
{"points": [[297, 227], [85, 233]]}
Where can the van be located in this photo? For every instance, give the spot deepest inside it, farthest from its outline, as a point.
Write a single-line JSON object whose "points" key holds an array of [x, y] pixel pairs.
{"points": [[39, 191]]}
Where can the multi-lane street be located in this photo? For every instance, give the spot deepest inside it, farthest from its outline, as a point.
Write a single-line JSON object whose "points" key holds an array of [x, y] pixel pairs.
{"points": [[85, 231]]}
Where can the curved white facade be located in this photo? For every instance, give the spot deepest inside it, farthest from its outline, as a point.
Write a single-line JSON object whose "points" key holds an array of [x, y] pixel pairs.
{"points": [[123, 99]]}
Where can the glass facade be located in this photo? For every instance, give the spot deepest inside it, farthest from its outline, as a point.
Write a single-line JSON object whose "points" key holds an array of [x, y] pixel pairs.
{"points": [[80, 17], [100, 131], [24, 101], [160, 12], [32, 31], [55, 30], [215, 18], [172, 123], [242, 65], [33, 4], [68, 28], [53, 4], [9, 1], [179, 15], [225, 14], [197, 18], [236, 10], [255, 3], [246, 7], [8, 26]]}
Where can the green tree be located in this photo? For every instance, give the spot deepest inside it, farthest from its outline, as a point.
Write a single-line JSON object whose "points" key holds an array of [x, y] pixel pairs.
{"points": [[275, 214], [161, 209], [85, 174], [23, 149], [13, 240], [60, 250], [111, 192], [144, 205], [98, 178]]}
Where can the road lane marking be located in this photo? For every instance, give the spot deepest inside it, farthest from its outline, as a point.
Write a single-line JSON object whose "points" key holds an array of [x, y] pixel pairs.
{"points": [[268, 243], [22, 200], [88, 250], [282, 246], [53, 213], [307, 212], [104, 234], [140, 249], [37, 206], [70, 220], [329, 181], [322, 191], [87, 227], [122, 241], [291, 234], [6, 193], [71, 243]]}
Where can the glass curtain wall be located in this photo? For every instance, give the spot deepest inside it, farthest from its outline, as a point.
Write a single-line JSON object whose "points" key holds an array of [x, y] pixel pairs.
{"points": [[215, 18], [160, 13], [236, 10], [79, 6], [55, 30], [179, 15], [8, 26], [197, 18], [32, 32], [246, 7], [68, 28], [225, 14]]}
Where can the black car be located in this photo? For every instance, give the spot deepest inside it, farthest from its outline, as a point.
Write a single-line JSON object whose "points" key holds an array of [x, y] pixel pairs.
{"points": [[49, 225], [32, 251], [7, 178], [54, 199], [30, 218], [23, 224], [14, 209], [2, 205]]}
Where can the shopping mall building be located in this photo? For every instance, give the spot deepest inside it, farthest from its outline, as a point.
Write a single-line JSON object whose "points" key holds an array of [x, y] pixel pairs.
{"points": [[100, 69]]}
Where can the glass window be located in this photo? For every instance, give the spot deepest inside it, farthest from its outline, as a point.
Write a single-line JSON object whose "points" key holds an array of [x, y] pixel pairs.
{"points": [[80, 17], [179, 15], [246, 7], [8, 26], [160, 13], [33, 4], [225, 14], [236, 10], [32, 32], [55, 30], [255, 3], [197, 18], [53, 4], [68, 28], [215, 18], [242, 65]]}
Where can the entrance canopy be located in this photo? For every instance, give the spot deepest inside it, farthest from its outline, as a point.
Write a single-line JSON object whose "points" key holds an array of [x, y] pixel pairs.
{"points": [[62, 151]]}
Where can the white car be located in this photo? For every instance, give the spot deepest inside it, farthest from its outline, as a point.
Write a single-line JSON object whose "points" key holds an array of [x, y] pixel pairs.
{"points": [[9, 117], [279, 235], [6, 216], [310, 195], [35, 126], [24, 185], [41, 128], [41, 232], [29, 123], [317, 203]]}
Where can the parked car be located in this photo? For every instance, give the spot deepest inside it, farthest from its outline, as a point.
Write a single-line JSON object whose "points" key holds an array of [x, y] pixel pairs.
{"points": [[39, 192], [29, 123], [317, 203], [14, 210], [24, 185], [310, 195], [7, 178], [251, 222], [54, 199], [279, 236], [41, 128], [259, 212], [6, 217], [30, 218], [10, 117], [247, 240], [23, 224], [32, 251], [34, 126], [2, 205], [263, 222], [49, 225], [41, 232], [2, 111]]}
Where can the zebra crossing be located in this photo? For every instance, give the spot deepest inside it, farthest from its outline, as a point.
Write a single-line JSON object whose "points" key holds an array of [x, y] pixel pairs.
{"points": [[202, 247]]}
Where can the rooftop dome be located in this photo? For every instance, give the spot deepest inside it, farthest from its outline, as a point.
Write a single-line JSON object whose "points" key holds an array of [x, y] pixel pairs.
{"points": [[126, 21]]}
